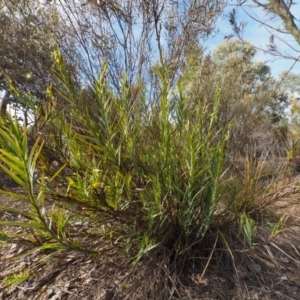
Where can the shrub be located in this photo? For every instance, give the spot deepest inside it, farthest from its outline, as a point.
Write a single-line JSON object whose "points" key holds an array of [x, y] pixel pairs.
{"points": [[135, 179]]}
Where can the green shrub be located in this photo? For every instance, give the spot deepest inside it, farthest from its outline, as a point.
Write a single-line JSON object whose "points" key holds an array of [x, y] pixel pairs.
{"points": [[136, 177]]}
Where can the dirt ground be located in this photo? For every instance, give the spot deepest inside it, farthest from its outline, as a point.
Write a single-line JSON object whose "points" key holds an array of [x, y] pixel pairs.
{"points": [[75, 276]]}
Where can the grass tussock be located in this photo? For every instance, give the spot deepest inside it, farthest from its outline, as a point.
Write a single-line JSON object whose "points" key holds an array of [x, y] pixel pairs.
{"points": [[140, 187]]}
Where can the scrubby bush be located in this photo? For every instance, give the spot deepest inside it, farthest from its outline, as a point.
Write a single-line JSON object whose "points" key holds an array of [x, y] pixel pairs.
{"points": [[133, 179]]}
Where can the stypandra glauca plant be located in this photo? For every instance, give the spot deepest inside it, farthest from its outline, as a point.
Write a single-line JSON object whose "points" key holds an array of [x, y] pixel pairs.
{"points": [[134, 179]]}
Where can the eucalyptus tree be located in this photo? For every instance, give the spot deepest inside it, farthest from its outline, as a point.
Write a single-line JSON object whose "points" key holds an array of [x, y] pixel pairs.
{"points": [[250, 97], [280, 20]]}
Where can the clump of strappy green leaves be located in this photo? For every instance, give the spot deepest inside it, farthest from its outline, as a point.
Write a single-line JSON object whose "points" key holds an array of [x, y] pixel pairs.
{"points": [[132, 175]]}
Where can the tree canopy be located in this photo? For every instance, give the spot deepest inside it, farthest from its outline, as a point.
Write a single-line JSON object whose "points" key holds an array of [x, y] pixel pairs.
{"points": [[251, 98]]}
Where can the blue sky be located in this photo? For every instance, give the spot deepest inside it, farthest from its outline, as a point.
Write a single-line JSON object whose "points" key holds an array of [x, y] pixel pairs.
{"points": [[258, 35]]}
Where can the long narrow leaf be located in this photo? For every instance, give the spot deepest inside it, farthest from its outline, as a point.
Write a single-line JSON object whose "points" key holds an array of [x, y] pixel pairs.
{"points": [[32, 159], [14, 159], [17, 171], [23, 224], [11, 142], [15, 211], [14, 195], [13, 176]]}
